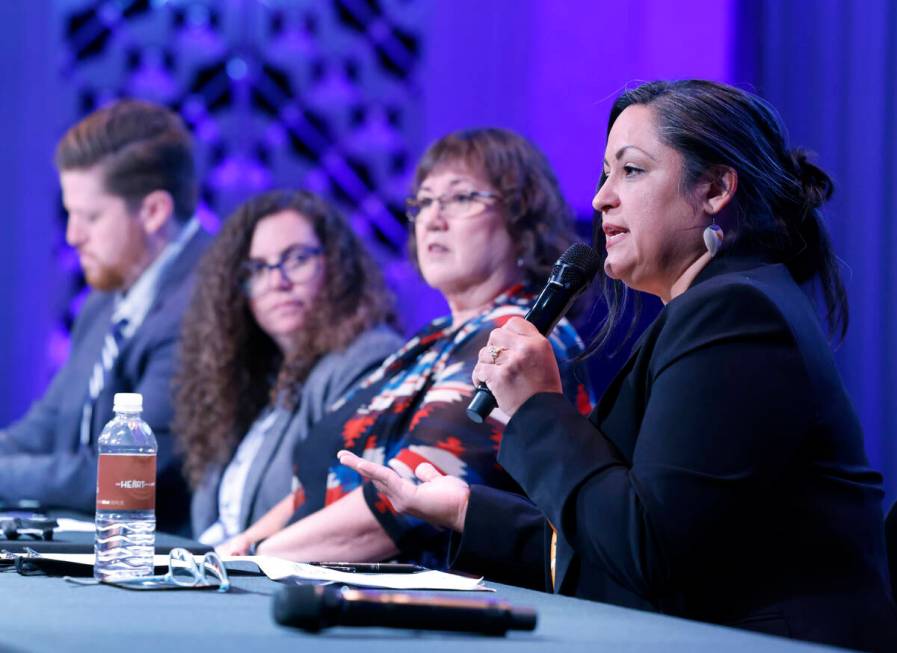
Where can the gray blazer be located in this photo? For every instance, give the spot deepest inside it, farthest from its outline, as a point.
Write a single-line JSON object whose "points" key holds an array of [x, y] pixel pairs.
{"points": [[270, 476], [41, 455]]}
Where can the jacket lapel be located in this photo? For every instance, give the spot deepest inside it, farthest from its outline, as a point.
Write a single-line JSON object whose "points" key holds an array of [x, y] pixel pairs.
{"points": [[260, 465]]}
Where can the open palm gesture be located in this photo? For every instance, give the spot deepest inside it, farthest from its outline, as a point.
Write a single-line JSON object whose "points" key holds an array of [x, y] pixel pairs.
{"points": [[439, 499]]}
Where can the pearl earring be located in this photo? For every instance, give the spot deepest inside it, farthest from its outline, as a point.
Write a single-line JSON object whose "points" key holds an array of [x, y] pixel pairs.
{"points": [[713, 238]]}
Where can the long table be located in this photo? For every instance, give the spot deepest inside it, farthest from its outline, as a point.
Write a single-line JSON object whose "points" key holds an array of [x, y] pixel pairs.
{"points": [[44, 614]]}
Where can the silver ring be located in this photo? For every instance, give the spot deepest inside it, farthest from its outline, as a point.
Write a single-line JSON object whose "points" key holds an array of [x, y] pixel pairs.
{"points": [[495, 352]]}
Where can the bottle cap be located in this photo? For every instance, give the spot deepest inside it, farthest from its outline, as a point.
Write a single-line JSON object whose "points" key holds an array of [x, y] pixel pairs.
{"points": [[127, 402]]}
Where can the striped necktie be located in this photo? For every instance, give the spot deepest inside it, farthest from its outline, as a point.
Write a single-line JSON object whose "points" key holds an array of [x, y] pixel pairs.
{"points": [[111, 347]]}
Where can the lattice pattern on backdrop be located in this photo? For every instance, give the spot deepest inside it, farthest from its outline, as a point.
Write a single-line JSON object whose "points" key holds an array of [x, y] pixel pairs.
{"points": [[313, 93]]}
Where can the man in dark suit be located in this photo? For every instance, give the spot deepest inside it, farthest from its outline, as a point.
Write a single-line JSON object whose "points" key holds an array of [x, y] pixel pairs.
{"points": [[129, 187]]}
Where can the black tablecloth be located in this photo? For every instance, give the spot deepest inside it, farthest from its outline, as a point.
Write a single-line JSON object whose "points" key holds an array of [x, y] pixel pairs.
{"points": [[49, 615]]}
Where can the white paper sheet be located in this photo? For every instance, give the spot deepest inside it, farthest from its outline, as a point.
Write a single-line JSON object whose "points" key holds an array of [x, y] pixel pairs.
{"points": [[279, 569]]}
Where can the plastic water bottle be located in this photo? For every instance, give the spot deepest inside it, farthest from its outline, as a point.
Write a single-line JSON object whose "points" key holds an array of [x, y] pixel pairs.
{"points": [[126, 493]]}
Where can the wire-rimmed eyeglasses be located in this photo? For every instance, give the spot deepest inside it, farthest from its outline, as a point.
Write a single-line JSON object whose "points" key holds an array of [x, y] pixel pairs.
{"points": [[453, 206], [297, 264]]}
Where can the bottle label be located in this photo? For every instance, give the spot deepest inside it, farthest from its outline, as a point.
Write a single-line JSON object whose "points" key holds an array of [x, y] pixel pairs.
{"points": [[126, 482]]}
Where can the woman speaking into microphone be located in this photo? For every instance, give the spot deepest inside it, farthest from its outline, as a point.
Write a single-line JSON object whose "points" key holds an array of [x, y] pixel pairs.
{"points": [[722, 477]]}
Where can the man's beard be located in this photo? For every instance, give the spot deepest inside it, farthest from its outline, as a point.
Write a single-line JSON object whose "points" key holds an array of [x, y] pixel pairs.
{"points": [[105, 279], [110, 277]]}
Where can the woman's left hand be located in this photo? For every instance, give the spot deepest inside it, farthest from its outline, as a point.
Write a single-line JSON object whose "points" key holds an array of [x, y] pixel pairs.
{"points": [[440, 499], [238, 545], [517, 363]]}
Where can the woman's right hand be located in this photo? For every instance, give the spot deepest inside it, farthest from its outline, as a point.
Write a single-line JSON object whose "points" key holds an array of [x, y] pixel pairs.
{"points": [[440, 499]]}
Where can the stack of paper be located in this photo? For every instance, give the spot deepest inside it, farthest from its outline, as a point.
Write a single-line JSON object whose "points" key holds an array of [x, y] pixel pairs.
{"points": [[280, 569]]}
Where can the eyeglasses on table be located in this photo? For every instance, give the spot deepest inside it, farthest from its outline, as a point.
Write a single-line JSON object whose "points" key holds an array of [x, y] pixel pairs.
{"points": [[184, 572]]}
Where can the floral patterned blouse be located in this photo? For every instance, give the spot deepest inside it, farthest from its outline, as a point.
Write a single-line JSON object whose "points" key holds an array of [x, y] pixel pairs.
{"points": [[413, 410]]}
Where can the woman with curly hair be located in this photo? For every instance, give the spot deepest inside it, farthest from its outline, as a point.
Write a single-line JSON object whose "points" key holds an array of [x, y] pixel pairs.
{"points": [[288, 313], [488, 222]]}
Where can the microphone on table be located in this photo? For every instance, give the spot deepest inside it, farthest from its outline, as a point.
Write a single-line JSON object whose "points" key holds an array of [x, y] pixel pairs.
{"points": [[572, 272], [315, 607]]}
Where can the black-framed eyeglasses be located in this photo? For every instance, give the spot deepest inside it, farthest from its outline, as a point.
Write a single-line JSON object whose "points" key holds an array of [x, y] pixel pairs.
{"points": [[453, 206], [297, 264]]}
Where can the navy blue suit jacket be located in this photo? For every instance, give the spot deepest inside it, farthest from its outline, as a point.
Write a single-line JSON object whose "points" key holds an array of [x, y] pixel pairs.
{"points": [[722, 477], [41, 455]]}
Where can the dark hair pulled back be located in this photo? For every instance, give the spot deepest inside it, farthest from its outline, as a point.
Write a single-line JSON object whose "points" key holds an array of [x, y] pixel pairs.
{"points": [[776, 208]]}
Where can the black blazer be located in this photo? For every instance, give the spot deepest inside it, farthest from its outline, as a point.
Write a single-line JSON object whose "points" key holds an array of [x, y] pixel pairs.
{"points": [[722, 477]]}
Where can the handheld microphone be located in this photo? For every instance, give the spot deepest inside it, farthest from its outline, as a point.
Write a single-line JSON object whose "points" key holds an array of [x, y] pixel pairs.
{"points": [[315, 607], [572, 272]]}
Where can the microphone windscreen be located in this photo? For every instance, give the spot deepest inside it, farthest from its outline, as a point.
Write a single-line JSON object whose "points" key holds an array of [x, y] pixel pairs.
{"points": [[300, 606], [580, 255]]}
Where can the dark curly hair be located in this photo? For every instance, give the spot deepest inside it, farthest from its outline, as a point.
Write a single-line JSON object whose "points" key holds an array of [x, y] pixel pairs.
{"points": [[538, 217], [229, 368]]}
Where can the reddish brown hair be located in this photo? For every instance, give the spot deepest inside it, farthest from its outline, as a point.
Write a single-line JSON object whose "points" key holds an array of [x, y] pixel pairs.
{"points": [[141, 147]]}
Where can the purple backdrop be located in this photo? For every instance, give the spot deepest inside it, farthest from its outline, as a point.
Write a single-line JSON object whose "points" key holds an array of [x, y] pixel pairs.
{"points": [[547, 69]]}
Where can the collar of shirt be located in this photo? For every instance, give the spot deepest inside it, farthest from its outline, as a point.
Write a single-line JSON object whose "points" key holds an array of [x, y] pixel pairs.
{"points": [[134, 305]]}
